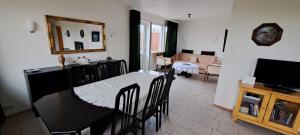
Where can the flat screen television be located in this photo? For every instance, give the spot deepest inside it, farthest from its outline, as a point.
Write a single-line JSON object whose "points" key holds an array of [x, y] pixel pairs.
{"points": [[280, 75]]}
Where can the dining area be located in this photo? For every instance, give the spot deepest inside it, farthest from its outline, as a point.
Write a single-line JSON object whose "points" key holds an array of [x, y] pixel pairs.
{"points": [[114, 102]]}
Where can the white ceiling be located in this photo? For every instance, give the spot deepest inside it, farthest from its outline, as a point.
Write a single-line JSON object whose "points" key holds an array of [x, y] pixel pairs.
{"points": [[179, 9]]}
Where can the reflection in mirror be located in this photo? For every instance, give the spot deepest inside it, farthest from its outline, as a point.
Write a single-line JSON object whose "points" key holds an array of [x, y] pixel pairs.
{"points": [[68, 35]]}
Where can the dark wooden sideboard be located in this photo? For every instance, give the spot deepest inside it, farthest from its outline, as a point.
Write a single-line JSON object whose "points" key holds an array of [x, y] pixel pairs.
{"points": [[50, 80]]}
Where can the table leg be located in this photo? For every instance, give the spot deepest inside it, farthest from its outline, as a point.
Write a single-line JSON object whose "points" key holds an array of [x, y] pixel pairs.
{"points": [[98, 128]]}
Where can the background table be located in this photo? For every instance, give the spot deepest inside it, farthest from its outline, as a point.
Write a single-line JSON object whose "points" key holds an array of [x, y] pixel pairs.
{"points": [[186, 68]]}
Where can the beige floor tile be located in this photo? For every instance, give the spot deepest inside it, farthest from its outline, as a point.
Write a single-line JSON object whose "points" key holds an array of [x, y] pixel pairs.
{"points": [[201, 129], [185, 122], [193, 116], [210, 114], [228, 130], [212, 123], [216, 132], [182, 131], [225, 119]]}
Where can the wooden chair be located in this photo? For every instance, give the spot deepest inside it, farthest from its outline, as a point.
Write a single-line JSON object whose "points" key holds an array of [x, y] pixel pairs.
{"points": [[166, 91], [151, 105], [212, 70], [125, 111], [118, 68], [164, 101], [103, 71], [163, 61], [123, 68], [82, 75]]}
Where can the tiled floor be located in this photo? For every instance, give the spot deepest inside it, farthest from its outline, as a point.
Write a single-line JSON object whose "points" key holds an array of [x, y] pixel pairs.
{"points": [[191, 113]]}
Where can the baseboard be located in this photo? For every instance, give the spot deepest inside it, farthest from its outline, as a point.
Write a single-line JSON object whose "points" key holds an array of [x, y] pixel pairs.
{"points": [[224, 108], [12, 115]]}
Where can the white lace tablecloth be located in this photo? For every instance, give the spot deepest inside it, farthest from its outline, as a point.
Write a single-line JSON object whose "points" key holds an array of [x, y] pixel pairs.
{"points": [[103, 93], [181, 66]]}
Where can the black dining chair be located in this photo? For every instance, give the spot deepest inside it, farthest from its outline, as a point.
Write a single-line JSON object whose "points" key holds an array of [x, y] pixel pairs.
{"points": [[118, 68], [123, 67], [103, 71], [151, 105], [82, 75], [125, 111], [164, 101]]}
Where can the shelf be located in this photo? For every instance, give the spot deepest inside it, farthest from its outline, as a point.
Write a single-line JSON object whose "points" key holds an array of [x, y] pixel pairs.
{"points": [[284, 113], [251, 104]]}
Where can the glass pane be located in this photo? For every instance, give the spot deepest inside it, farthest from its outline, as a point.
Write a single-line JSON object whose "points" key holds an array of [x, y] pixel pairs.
{"points": [[284, 113], [156, 38], [251, 104]]}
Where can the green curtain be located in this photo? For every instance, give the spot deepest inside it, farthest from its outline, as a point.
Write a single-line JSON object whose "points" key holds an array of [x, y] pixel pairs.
{"points": [[134, 49], [171, 40]]}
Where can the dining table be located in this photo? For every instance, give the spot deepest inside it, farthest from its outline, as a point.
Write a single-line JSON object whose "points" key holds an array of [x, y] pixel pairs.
{"points": [[90, 105]]}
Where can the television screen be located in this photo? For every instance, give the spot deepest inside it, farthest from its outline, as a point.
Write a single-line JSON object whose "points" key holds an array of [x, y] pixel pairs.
{"points": [[278, 73]]}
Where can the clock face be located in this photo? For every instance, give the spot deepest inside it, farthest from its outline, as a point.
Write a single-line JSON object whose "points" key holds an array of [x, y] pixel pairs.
{"points": [[267, 34]]}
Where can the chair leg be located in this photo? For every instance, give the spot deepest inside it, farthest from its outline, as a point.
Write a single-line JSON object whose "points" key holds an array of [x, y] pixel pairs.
{"points": [[164, 107], [160, 114], [167, 106], [156, 123], [143, 128]]}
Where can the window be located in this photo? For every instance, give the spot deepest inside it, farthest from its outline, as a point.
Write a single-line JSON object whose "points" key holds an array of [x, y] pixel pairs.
{"points": [[157, 38]]}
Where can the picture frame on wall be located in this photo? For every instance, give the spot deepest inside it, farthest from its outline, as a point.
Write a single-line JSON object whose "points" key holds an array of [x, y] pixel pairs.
{"points": [[78, 45], [95, 36]]}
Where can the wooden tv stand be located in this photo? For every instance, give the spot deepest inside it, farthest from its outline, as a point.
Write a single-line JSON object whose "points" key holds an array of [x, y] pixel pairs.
{"points": [[264, 107]]}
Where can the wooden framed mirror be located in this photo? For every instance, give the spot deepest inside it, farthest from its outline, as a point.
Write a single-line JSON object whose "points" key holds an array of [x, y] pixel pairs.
{"points": [[67, 35]]}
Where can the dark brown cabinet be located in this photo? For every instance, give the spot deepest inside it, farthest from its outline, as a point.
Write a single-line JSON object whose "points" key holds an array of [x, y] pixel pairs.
{"points": [[55, 79]]}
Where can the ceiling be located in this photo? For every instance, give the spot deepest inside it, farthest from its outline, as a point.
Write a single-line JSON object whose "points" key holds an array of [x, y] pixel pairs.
{"points": [[179, 9]]}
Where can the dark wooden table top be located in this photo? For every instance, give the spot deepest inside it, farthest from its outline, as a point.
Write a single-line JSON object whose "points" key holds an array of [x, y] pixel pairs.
{"points": [[64, 111]]}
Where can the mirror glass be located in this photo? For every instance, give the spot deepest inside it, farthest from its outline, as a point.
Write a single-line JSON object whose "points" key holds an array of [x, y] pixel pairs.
{"points": [[69, 35]]}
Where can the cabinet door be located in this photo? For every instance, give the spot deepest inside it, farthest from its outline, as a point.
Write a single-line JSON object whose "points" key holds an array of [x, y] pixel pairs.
{"points": [[283, 113], [252, 104]]}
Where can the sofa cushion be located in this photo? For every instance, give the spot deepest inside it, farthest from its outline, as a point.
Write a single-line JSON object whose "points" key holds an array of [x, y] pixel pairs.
{"points": [[204, 60], [193, 59]]}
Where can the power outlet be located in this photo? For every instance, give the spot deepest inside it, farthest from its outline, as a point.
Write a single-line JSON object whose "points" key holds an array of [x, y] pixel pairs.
{"points": [[7, 107]]}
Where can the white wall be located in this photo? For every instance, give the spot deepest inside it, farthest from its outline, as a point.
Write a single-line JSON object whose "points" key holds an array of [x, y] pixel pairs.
{"points": [[202, 35], [241, 52], [21, 50]]}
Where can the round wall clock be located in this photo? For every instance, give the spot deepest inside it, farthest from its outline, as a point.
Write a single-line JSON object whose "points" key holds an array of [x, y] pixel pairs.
{"points": [[267, 34]]}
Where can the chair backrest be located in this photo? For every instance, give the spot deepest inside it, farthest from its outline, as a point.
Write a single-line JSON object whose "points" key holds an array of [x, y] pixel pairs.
{"points": [[125, 109], [168, 84], [123, 69], [82, 75], [118, 68], [153, 98], [103, 70]]}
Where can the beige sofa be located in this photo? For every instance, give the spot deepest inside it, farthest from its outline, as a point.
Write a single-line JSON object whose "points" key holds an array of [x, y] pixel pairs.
{"points": [[202, 60]]}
